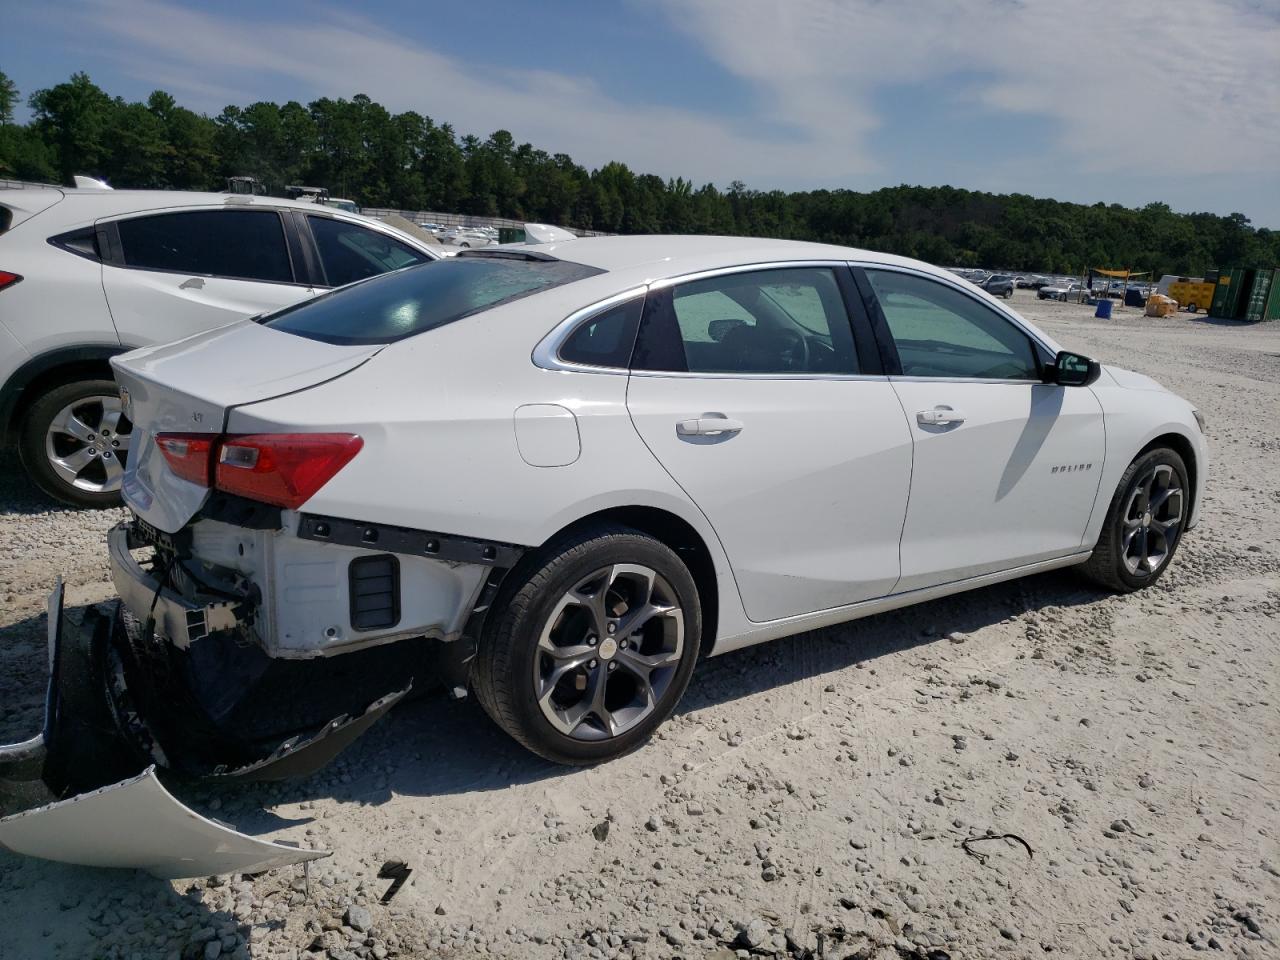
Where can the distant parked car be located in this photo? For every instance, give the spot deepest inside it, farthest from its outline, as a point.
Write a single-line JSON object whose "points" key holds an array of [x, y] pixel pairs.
{"points": [[466, 237], [998, 285], [1059, 291], [88, 274]]}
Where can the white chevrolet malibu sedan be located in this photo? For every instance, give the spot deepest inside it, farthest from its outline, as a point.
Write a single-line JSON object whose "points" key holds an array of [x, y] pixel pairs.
{"points": [[560, 474]]}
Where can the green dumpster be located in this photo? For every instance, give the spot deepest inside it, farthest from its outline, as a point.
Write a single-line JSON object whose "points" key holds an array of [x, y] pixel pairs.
{"points": [[1228, 293], [1264, 298]]}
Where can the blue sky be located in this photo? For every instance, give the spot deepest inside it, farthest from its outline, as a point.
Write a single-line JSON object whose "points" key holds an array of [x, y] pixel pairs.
{"points": [[1086, 100]]}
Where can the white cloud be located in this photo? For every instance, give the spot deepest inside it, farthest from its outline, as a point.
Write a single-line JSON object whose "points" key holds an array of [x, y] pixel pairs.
{"points": [[1177, 88], [1179, 100], [332, 54]]}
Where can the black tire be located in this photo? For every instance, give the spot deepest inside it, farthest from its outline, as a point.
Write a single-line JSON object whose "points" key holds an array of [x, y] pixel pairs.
{"points": [[504, 667], [1107, 566], [31, 443]]}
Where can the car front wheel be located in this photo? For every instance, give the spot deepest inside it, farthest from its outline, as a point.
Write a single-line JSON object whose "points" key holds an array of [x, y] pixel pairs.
{"points": [[74, 443], [1144, 523], [593, 646]]}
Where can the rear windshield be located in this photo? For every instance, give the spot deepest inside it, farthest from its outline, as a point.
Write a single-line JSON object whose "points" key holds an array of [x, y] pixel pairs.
{"points": [[413, 300]]}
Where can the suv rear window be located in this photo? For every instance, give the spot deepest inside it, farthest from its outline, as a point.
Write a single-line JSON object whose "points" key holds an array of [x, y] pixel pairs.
{"points": [[408, 302]]}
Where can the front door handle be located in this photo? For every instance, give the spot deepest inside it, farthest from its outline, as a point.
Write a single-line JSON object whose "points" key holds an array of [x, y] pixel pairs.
{"points": [[708, 425], [939, 416], [193, 283]]}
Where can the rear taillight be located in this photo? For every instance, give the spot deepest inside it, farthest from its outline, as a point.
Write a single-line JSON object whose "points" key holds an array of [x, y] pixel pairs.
{"points": [[8, 279], [190, 455], [284, 469]]}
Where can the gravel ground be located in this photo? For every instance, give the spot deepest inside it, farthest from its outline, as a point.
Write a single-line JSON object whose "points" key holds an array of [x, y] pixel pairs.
{"points": [[811, 796]]}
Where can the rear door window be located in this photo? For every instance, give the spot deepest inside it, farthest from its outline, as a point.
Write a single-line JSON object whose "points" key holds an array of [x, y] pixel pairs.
{"points": [[409, 302], [237, 244], [780, 321], [350, 252]]}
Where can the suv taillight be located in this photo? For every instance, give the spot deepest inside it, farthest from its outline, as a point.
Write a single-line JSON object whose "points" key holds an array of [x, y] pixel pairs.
{"points": [[8, 279], [284, 469]]}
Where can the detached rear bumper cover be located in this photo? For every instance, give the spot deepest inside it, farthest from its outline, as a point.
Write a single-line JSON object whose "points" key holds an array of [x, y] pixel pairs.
{"points": [[138, 824]]}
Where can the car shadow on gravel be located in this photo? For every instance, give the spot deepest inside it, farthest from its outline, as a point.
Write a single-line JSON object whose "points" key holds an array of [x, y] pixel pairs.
{"points": [[817, 652], [18, 495], [435, 746], [438, 747]]}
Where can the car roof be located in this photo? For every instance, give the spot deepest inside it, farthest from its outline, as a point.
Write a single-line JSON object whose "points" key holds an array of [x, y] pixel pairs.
{"points": [[108, 202], [65, 207], [656, 256]]}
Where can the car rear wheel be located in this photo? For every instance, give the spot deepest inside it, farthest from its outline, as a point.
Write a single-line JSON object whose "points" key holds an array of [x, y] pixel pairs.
{"points": [[74, 443], [593, 646], [1144, 523]]}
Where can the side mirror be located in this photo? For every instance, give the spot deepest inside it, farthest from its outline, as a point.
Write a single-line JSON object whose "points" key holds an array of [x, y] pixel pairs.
{"points": [[1072, 370]]}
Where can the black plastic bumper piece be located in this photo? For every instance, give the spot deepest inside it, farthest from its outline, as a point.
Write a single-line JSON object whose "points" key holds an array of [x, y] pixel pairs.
{"points": [[403, 540]]}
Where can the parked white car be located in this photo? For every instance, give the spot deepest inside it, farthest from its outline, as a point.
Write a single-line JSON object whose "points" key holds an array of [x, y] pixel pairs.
{"points": [[88, 274], [622, 452], [560, 474], [468, 237]]}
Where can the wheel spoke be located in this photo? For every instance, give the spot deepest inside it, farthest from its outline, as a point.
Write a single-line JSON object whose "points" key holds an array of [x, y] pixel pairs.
{"points": [[73, 426], [633, 620], [114, 469], [596, 602], [642, 665], [69, 467], [599, 687], [1165, 497], [112, 412], [561, 670]]}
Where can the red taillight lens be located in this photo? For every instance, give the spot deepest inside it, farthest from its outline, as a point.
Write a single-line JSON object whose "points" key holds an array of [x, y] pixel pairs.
{"points": [[8, 279], [189, 454], [285, 469]]}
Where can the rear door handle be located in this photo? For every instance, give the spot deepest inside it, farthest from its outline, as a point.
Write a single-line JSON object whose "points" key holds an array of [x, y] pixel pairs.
{"points": [[708, 425], [939, 416], [193, 283]]}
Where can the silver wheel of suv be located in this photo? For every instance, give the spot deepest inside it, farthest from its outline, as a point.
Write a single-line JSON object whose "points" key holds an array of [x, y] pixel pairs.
{"points": [[608, 652], [87, 444]]}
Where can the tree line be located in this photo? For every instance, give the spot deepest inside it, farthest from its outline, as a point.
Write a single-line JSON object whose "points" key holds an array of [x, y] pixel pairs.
{"points": [[358, 149]]}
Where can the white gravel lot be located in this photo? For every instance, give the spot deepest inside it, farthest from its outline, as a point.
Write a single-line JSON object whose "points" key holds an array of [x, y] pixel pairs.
{"points": [[811, 795]]}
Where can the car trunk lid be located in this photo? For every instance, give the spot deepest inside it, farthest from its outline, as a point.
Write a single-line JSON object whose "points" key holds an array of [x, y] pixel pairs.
{"points": [[190, 386]]}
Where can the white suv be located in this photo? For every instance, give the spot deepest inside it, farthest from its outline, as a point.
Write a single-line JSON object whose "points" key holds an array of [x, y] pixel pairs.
{"points": [[88, 274]]}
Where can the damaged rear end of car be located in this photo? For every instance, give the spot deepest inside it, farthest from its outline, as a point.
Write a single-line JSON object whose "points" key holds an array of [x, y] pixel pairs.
{"points": [[251, 638]]}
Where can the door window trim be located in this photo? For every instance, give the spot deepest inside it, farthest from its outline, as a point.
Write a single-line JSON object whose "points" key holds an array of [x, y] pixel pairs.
{"points": [[113, 256], [547, 352], [1041, 351], [854, 316]]}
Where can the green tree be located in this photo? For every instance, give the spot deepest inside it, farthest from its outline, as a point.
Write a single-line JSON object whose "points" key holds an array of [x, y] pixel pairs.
{"points": [[358, 148]]}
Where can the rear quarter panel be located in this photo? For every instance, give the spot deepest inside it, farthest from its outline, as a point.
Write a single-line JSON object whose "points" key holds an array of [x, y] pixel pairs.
{"points": [[437, 415]]}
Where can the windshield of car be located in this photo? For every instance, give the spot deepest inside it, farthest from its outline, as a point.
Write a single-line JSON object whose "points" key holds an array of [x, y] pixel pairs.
{"points": [[411, 301]]}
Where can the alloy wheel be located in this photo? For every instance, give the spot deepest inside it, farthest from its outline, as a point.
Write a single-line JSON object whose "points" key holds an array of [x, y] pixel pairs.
{"points": [[1152, 521], [608, 652], [87, 444]]}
